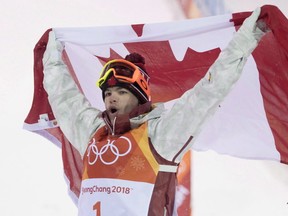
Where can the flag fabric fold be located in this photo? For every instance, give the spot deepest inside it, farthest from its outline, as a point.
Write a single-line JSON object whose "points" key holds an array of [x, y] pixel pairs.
{"points": [[252, 122]]}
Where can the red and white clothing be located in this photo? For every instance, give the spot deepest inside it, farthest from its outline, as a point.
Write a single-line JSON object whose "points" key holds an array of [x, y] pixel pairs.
{"points": [[163, 136]]}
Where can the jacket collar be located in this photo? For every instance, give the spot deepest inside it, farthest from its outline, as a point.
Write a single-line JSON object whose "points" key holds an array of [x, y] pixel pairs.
{"points": [[121, 123]]}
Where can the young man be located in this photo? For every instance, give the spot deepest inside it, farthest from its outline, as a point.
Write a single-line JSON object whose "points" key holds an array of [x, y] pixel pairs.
{"points": [[131, 150]]}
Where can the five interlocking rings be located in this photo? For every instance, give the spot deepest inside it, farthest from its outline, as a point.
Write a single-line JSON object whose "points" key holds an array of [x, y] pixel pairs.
{"points": [[94, 151]]}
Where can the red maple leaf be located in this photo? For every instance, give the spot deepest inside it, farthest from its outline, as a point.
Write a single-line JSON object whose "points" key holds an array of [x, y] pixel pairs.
{"points": [[170, 78]]}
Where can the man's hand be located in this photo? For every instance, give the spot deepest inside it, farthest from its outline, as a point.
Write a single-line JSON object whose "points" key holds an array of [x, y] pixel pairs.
{"points": [[253, 27], [53, 51]]}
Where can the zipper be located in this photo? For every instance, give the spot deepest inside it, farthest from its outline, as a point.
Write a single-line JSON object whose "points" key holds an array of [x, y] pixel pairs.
{"points": [[108, 125], [113, 126]]}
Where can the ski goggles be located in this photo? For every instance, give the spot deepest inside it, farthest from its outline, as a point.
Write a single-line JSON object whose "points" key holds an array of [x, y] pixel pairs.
{"points": [[125, 71]]}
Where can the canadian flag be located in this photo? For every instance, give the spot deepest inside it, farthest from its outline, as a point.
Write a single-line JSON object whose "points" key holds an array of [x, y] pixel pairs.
{"points": [[252, 122]]}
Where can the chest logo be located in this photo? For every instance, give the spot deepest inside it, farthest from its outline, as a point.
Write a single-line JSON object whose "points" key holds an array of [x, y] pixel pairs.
{"points": [[95, 153]]}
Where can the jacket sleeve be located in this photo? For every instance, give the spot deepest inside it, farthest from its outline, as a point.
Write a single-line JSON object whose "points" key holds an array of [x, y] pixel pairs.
{"points": [[173, 129], [74, 114]]}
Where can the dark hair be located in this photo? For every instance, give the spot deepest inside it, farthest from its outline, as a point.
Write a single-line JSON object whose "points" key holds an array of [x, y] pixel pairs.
{"points": [[135, 89]]}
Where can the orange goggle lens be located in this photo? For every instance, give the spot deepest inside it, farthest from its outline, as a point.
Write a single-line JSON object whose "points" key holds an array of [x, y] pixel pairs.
{"points": [[125, 71]]}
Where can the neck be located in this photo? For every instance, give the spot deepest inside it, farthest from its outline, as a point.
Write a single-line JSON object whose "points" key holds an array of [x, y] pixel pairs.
{"points": [[121, 123]]}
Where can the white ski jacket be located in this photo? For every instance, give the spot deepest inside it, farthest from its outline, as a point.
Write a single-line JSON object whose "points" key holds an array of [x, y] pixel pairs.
{"points": [[168, 130]]}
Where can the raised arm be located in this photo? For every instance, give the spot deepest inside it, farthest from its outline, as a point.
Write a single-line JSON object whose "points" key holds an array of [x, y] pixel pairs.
{"points": [[74, 114], [188, 114]]}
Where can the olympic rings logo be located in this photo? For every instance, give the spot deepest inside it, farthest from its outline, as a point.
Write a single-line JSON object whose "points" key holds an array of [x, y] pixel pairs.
{"points": [[93, 151]]}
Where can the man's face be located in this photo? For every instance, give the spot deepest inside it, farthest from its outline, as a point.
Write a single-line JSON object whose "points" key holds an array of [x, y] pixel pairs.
{"points": [[119, 100]]}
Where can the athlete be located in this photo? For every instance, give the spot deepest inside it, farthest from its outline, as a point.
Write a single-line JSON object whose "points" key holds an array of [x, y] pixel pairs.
{"points": [[131, 150]]}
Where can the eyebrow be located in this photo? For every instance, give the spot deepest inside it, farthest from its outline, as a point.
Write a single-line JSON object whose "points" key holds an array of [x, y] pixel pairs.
{"points": [[115, 87]]}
